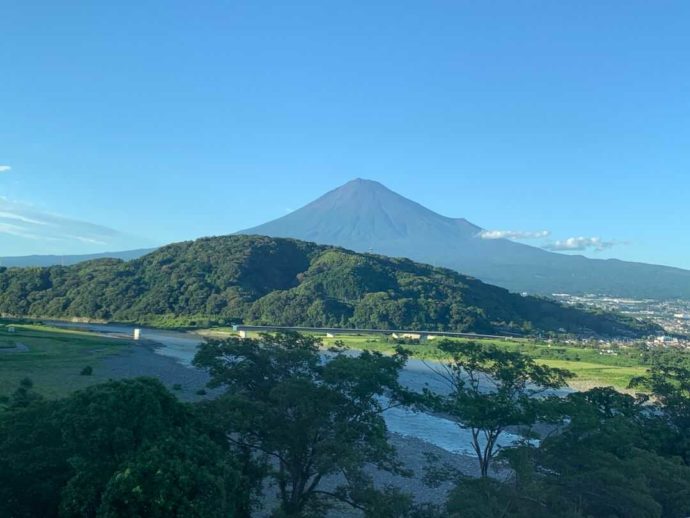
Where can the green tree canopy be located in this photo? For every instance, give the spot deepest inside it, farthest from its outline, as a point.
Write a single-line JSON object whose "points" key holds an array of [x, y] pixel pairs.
{"points": [[491, 389], [668, 382], [312, 415], [127, 447]]}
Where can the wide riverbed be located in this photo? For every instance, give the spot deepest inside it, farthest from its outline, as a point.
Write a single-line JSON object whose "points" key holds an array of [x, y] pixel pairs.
{"points": [[416, 375]]}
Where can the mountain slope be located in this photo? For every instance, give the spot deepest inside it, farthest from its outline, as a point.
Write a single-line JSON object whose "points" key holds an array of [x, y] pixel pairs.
{"points": [[287, 282], [67, 260], [365, 216]]}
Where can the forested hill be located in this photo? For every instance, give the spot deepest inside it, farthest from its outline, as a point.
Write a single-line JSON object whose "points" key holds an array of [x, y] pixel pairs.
{"points": [[274, 281]]}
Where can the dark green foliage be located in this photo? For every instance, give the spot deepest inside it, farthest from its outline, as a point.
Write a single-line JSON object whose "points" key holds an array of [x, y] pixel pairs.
{"points": [[486, 497], [311, 418], [669, 381], [604, 462], [286, 282], [186, 476], [24, 395], [34, 463], [126, 448], [104, 426], [607, 464], [602, 453]]}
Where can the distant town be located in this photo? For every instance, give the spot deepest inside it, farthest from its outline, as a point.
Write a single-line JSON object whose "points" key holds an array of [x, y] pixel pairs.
{"points": [[672, 315]]}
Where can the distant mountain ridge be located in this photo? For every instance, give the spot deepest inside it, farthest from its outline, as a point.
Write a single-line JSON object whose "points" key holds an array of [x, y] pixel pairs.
{"points": [[273, 281], [67, 260], [364, 215]]}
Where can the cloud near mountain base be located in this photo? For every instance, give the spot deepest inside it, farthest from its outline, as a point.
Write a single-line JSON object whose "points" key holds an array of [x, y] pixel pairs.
{"points": [[580, 244], [513, 234]]}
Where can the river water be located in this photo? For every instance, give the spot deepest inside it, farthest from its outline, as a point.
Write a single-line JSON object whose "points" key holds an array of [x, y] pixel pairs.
{"points": [[416, 375]]}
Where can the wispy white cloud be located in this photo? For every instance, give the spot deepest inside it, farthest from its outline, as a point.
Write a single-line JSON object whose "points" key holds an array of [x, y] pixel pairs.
{"points": [[88, 240], [19, 217], [14, 230], [45, 232], [5, 169], [514, 234], [580, 244]]}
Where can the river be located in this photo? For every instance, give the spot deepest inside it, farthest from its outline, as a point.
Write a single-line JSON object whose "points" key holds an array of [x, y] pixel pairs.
{"points": [[416, 375]]}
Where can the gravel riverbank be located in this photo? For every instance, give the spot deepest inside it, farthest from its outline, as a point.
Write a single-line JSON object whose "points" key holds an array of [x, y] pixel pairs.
{"points": [[142, 360]]}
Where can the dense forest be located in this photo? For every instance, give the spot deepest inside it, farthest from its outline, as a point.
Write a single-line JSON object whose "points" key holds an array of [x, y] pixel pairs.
{"points": [[263, 280]]}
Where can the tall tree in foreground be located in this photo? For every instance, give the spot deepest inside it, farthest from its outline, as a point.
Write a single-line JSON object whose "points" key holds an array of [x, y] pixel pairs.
{"points": [[123, 448], [490, 390], [601, 463], [312, 415], [185, 475], [604, 462], [668, 380]]}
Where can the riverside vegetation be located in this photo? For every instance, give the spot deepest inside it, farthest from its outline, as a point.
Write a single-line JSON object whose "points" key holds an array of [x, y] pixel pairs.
{"points": [[593, 366], [55, 357], [290, 419]]}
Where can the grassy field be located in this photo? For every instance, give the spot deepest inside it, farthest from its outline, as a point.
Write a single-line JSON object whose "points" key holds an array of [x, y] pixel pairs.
{"points": [[590, 375], [591, 367], [52, 358]]}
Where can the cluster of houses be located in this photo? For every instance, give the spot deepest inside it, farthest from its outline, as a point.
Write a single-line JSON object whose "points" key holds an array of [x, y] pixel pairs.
{"points": [[669, 341]]}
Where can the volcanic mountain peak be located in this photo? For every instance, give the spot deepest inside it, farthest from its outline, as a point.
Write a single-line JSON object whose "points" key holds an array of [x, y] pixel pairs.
{"points": [[361, 194], [366, 216], [360, 215]]}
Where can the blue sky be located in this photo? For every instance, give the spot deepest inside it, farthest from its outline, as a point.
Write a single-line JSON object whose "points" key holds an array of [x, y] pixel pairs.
{"points": [[124, 124]]}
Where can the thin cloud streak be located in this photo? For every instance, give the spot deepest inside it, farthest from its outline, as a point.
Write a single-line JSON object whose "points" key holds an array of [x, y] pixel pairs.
{"points": [[52, 233], [580, 244], [514, 234], [19, 217]]}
